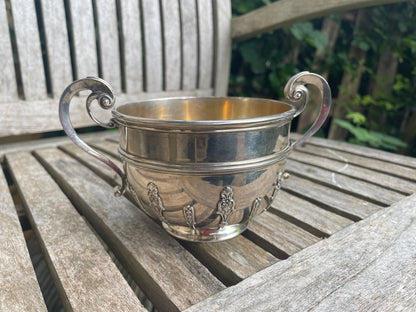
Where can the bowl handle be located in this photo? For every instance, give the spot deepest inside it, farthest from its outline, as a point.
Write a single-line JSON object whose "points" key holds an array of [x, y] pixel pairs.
{"points": [[103, 93], [296, 91]]}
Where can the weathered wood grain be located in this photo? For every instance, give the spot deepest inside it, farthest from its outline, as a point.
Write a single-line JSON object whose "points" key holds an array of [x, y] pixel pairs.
{"points": [[222, 44], [8, 88], [394, 169], [368, 265], [343, 204], [232, 260], [74, 255], [41, 116], [158, 264], [152, 39], [83, 36], [104, 171], [19, 288], [278, 236], [107, 33], [132, 45], [368, 152], [29, 48], [307, 215], [57, 45], [344, 167], [171, 44], [206, 43], [189, 44], [344, 183], [51, 142], [286, 12]]}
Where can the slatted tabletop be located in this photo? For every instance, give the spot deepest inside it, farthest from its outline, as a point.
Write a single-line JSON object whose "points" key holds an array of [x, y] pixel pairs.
{"points": [[339, 234]]}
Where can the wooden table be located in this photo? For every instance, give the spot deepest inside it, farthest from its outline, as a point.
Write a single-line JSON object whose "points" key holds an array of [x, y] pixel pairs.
{"points": [[341, 236]]}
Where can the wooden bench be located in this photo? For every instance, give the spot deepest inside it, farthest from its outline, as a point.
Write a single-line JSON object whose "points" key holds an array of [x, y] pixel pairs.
{"points": [[340, 235]]}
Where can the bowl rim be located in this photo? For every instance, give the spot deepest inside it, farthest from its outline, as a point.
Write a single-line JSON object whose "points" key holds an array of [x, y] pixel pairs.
{"points": [[137, 121]]}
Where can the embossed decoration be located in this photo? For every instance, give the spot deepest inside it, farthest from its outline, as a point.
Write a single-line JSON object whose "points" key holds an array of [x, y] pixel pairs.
{"points": [[189, 214], [255, 207], [156, 201], [226, 205], [277, 186]]}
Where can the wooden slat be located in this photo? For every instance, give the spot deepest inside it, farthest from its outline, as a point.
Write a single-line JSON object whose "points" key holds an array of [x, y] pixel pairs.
{"points": [[41, 116], [287, 12], [373, 153], [158, 264], [344, 167], [49, 142], [73, 252], [83, 33], [395, 169], [29, 49], [367, 266], [57, 45], [222, 42], [171, 44], [8, 88], [152, 33], [19, 288], [346, 184], [278, 236], [336, 201], [108, 41], [232, 260], [189, 44], [206, 43], [132, 45], [308, 215]]}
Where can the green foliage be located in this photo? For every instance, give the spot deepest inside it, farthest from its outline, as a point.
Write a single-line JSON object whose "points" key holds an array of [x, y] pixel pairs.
{"points": [[376, 139], [261, 66]]}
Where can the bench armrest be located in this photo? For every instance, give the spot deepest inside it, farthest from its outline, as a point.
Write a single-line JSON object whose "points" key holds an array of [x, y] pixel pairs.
{"points": [[287, 12]]}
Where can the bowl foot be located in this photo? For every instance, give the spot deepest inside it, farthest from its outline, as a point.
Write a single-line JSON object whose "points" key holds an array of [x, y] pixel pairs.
{"points": [[207, 234]]}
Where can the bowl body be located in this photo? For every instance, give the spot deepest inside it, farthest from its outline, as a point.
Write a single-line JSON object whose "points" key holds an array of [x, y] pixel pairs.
{"points": [[204, 166]]}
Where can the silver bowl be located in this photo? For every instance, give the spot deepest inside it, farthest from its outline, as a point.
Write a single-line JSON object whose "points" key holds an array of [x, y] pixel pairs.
{"points": [[203, 167]]}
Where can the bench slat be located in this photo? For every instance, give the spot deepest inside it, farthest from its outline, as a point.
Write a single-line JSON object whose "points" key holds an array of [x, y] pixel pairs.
{"points": [[344, 183], [29, 49], [152, 39], [278, 236], [108, 42], [344, 204], [301, 210], [344, 167], [83, 35], [171, 44], [367, 266], [19, 288], [157, 262], [206, 43], [364, 151], [189, 44], [84, 273], [367, 160], [8, 88], [233, 260], [132, 45], [57, 45], [222, 43]]}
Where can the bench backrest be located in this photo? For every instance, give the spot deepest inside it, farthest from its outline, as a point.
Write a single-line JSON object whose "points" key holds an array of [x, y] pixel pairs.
{"points": [[145, 49]]}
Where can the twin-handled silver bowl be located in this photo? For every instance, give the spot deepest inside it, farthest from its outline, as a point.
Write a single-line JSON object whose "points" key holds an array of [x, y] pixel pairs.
{"points": [[202, 166]]}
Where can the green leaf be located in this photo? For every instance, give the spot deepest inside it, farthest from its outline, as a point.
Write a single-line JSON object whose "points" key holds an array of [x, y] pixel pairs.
{"points": [[356, 118]]}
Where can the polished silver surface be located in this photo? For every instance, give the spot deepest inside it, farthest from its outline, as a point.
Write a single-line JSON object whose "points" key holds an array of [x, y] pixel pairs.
{"points": [[203, 167]]}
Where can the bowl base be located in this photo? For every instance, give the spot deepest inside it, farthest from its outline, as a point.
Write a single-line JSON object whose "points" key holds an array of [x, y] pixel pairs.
{"points": [[205, 235]]}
